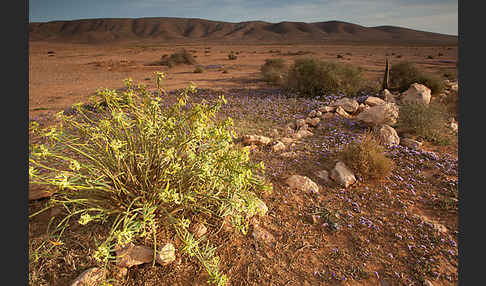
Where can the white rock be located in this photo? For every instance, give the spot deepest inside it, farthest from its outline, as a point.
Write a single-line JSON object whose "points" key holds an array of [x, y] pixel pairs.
{"points": [[312, 121], [340, 111], [325, 109], [380, 114], [166, 254], [386, 135], [256, 140], [279, 146], [342, 175], [348, 104], [417, 93], [302, 183], [373, 100]]}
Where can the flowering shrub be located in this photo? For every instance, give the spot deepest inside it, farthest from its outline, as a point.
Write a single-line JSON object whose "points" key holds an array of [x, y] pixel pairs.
{"points": [[130, 163]]}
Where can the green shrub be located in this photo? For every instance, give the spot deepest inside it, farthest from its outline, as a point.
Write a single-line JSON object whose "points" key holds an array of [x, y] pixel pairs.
{"points": [[146, 169], [274, 70], [367, 158], [403, 74], [313, 77], [198, 69], [426, 121]]}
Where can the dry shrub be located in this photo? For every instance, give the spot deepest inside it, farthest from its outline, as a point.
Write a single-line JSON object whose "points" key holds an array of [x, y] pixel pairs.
{"points": [[367, 158], [181, 56], [426, 121], [274, 70]]}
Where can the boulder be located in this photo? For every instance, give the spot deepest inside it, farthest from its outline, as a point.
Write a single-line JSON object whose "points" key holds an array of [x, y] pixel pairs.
{"points": [[325, 109], [417, 93], [348, 104], [91, 277], [342, 175], [386, 135], [166, 254], [410, 143], [279, 146], [340, 111], [312, 121], [380, 114], [302, 183], [256, 140], [372, 101]]}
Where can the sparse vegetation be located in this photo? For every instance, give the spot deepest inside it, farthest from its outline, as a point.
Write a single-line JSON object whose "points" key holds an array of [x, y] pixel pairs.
{"points": [[198, 69], [403, 74], [313, 77], [181, 56], [367, 158], [426, 121], [274, 70], [339, 56], [143, 168]]}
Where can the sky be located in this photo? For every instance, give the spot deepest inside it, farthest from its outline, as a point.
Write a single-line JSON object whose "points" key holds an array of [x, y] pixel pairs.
{"points": [[440, 16]]}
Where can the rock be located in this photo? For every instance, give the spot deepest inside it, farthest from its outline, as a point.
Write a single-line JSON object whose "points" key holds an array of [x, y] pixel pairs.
{"points": [[132, 255], [166, 254], [389, 97], [380, 114], [362, 107], [428, 283], [325, 109], [342, 175], [342, 112], [198, 230], [279, 146], [302, 133], [410, 143], [417, 93], [256, 140], [373, 101], [324, 175], [302, 183], [91, 277], [286, 140], [312, 121], [453, 125], [274, 133], [455, 87], [437, 226], [300, 123], [348, 104], [312, 114], [262, 235], [386, 135], [122, 272], [290, 154]]}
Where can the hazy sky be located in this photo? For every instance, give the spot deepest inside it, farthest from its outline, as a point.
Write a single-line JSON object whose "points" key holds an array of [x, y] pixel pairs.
{"points": [[439, 16]]}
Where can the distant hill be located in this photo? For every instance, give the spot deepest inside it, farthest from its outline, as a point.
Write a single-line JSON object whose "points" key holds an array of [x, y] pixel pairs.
{"points": [[97, 31]]}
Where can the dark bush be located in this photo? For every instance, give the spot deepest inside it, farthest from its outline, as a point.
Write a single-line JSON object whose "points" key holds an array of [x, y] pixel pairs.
{"points": [[232, 56], [403, 74], [179, 57], [313, 77]]}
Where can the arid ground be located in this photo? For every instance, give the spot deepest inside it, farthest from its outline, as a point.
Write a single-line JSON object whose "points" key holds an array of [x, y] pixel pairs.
{"points": [[384, 242]]}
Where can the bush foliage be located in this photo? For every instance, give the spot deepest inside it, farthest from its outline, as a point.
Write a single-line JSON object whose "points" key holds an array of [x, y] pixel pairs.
{"points": [[405, 73], [181, 56], [313, 77], [366, 157], [140, 167], [274, 70], [426, 121]]}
